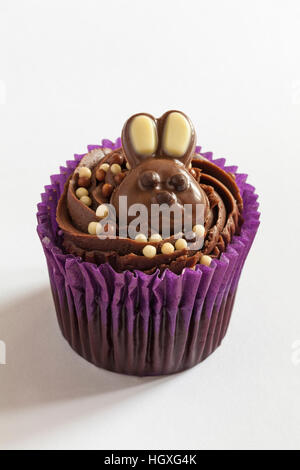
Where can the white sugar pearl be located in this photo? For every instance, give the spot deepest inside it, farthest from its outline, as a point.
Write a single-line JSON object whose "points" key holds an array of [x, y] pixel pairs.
{"points": [[199, 230], [128, 166], [92, 228], [99, 228], [115, 168], [155, 237], [149, 251], [104, 167], [81, 192], [167, 248], [181, 244], [206, 260], [86, 200], [102, 211], [141, 238], [84, 172]]}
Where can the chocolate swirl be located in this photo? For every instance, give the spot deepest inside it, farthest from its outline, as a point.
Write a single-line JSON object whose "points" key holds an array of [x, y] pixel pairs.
{"points": [[217, 190]]}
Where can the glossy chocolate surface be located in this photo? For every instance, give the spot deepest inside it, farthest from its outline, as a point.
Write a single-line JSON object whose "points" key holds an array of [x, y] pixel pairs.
{"points": [[156, 178]]}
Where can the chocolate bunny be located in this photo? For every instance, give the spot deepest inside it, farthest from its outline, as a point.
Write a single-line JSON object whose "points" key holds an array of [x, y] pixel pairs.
{"points": [[159, 152]]}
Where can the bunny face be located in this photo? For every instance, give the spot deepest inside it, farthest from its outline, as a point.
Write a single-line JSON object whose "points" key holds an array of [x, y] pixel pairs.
{"points": [[159, 152]]}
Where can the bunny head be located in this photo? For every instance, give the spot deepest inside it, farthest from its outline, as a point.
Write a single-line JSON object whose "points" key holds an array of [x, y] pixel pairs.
{"points": [[159, 152]]}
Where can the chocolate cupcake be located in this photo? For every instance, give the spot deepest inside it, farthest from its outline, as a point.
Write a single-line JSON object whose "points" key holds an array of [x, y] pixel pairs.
{"points": [[145, 240]]}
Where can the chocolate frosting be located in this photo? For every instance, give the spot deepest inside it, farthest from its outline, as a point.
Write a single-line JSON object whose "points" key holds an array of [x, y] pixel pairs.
{"points": [[223, 220], [156, 178]]}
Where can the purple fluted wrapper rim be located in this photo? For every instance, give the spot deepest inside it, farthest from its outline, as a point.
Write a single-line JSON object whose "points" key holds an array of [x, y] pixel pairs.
{"points": [[141, 324]]}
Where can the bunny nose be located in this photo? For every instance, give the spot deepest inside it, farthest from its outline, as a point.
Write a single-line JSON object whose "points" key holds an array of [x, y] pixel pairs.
{"points": [[164, 197]]}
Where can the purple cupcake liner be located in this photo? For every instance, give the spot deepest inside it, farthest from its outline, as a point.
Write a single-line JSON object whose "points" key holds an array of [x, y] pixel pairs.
{"points": [[141, 324]]}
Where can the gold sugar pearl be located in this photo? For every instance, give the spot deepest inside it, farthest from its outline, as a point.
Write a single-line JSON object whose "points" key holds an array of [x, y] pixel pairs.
{"points": [[199, 230], [106, 190], [167, 248], [84, 182], [100, 175], [84, 172], [141, 237], [149, 251], [206, 260], [86, 200], [128, 166], [81, 192], [104, 167], [102, 211], [92, 228], [115, 169], [155, 237], [181, 244]]}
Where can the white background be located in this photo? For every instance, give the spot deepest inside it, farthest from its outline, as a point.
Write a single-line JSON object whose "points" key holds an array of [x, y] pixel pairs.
{"points": [[71, 72]]}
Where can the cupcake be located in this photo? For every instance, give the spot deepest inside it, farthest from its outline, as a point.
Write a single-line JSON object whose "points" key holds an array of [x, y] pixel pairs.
{"points": [[145, 240]]}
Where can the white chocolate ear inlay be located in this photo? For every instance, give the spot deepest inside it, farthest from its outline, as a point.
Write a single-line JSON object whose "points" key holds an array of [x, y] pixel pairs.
{"points": [[177, 135], [143, 135]]}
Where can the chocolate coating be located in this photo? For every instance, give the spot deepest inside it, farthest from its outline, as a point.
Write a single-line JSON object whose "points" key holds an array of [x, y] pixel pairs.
{"points": [[163, 170], [222, 222], [158, 178], [135, 158]]}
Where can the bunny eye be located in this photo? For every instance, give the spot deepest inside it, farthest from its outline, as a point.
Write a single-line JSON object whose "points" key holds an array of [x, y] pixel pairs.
{"points": [[149, 179], [179, 182]]}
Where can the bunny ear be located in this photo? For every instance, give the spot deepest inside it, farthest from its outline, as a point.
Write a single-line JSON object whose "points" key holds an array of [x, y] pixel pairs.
{"points": [[139, 138], [178, 138]]}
